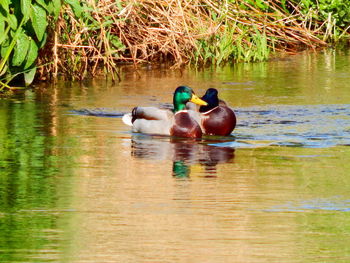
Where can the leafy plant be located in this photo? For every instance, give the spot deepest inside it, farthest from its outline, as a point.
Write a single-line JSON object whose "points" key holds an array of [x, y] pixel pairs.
{"points": [[339, 9], [334, 13], [23, 31]]}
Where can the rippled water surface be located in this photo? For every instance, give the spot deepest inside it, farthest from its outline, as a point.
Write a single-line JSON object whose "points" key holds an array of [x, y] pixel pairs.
{"points": [[77, 186]]}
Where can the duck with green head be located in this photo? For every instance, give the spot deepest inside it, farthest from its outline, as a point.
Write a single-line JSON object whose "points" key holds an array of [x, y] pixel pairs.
{"points": [[179, 122]]}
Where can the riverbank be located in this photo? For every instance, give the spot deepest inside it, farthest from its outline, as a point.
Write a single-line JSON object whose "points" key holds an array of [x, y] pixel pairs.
{"points": [[83, 38]]}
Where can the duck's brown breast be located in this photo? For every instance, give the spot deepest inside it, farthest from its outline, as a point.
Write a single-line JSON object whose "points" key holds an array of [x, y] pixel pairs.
{"points": [[219, 121], [185, 126]]}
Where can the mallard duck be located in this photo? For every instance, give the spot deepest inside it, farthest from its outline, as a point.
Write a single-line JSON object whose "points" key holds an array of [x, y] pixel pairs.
{"points": [[178, 122], [216, 117]]}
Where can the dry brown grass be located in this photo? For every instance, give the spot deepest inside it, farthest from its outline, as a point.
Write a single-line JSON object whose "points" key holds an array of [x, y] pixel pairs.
{"points": [[170, 30]]}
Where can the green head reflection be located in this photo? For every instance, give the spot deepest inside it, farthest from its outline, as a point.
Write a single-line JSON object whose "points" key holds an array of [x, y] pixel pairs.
{"points": [[180, 169]]}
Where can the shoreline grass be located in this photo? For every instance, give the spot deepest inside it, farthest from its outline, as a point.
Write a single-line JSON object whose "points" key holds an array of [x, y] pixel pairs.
{"points": [[182, 32], [89, 37]]}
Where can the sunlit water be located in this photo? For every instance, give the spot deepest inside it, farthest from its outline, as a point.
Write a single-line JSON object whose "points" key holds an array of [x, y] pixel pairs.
{"points": [[77, 186]]}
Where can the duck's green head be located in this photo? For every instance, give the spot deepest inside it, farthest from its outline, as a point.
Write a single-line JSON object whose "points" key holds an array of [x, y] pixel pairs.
{"points": [[184, 94]]}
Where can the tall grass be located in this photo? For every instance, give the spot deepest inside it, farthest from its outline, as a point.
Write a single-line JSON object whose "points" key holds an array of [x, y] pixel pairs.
{"points": [[106, 32], [91, 37]]}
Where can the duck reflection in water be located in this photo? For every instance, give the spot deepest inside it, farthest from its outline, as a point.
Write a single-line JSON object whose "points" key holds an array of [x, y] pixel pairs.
{"points": [[184, 153]]}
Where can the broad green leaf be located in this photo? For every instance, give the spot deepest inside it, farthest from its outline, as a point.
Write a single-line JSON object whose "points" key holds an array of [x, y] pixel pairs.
{"points": [[9, 45], [39, 22], [21, 49], [25, 8], [56, 8], [12, 20], [3, 49], [29, 76], [4, 54], [31, 55], [2, 29], [46, 5], [76, 7], [42, 43], [5, 5]]}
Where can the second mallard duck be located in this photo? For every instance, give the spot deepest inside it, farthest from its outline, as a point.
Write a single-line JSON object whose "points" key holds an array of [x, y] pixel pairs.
{"points": [[217, 117]]}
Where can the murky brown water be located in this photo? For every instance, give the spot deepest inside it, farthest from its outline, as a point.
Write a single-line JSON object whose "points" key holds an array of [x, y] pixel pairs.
{"points": [[80, 188]]}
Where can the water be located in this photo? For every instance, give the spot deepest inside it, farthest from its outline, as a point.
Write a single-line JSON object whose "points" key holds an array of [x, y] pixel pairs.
{"points": [[77, 186]]}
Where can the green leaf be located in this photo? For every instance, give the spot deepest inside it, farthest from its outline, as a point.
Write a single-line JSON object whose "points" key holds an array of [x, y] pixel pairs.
{"points": [[39, 22], [116, 43], [261, 4], [8, 49], [5, 5], [56, 8], [29, 76], [3, 48], [2, 29], [42, 43], [12, 20], [3, 38], [43, 4], [21, 49], [25, 8], [49, 6], [76, 7], [32, 54]]}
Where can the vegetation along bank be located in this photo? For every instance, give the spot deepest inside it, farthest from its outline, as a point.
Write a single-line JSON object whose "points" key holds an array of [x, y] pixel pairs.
{"points": [[42, 39]]}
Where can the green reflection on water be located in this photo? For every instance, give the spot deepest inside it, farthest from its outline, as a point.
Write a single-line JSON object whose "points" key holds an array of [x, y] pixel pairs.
{"points": [[180, 169], [30, 204]]}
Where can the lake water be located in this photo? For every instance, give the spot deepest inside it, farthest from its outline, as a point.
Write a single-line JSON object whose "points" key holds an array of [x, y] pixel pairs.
{"points": [[80, 188]]}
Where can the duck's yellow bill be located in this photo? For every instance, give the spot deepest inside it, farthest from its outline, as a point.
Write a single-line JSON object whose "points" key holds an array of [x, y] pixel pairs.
{"points": [[197, 100]]}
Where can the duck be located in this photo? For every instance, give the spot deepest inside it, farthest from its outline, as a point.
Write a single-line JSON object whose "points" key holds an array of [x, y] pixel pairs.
{"points": [[179, 122], [217, 118]]}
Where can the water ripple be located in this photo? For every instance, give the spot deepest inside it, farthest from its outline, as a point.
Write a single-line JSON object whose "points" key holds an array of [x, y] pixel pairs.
{"points": [[98, 112], [323, 204], [313, 126]]}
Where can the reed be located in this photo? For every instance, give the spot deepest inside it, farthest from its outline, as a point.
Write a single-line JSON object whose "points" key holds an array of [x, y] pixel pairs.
{"points": [[91, 37], [107, 32]]}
